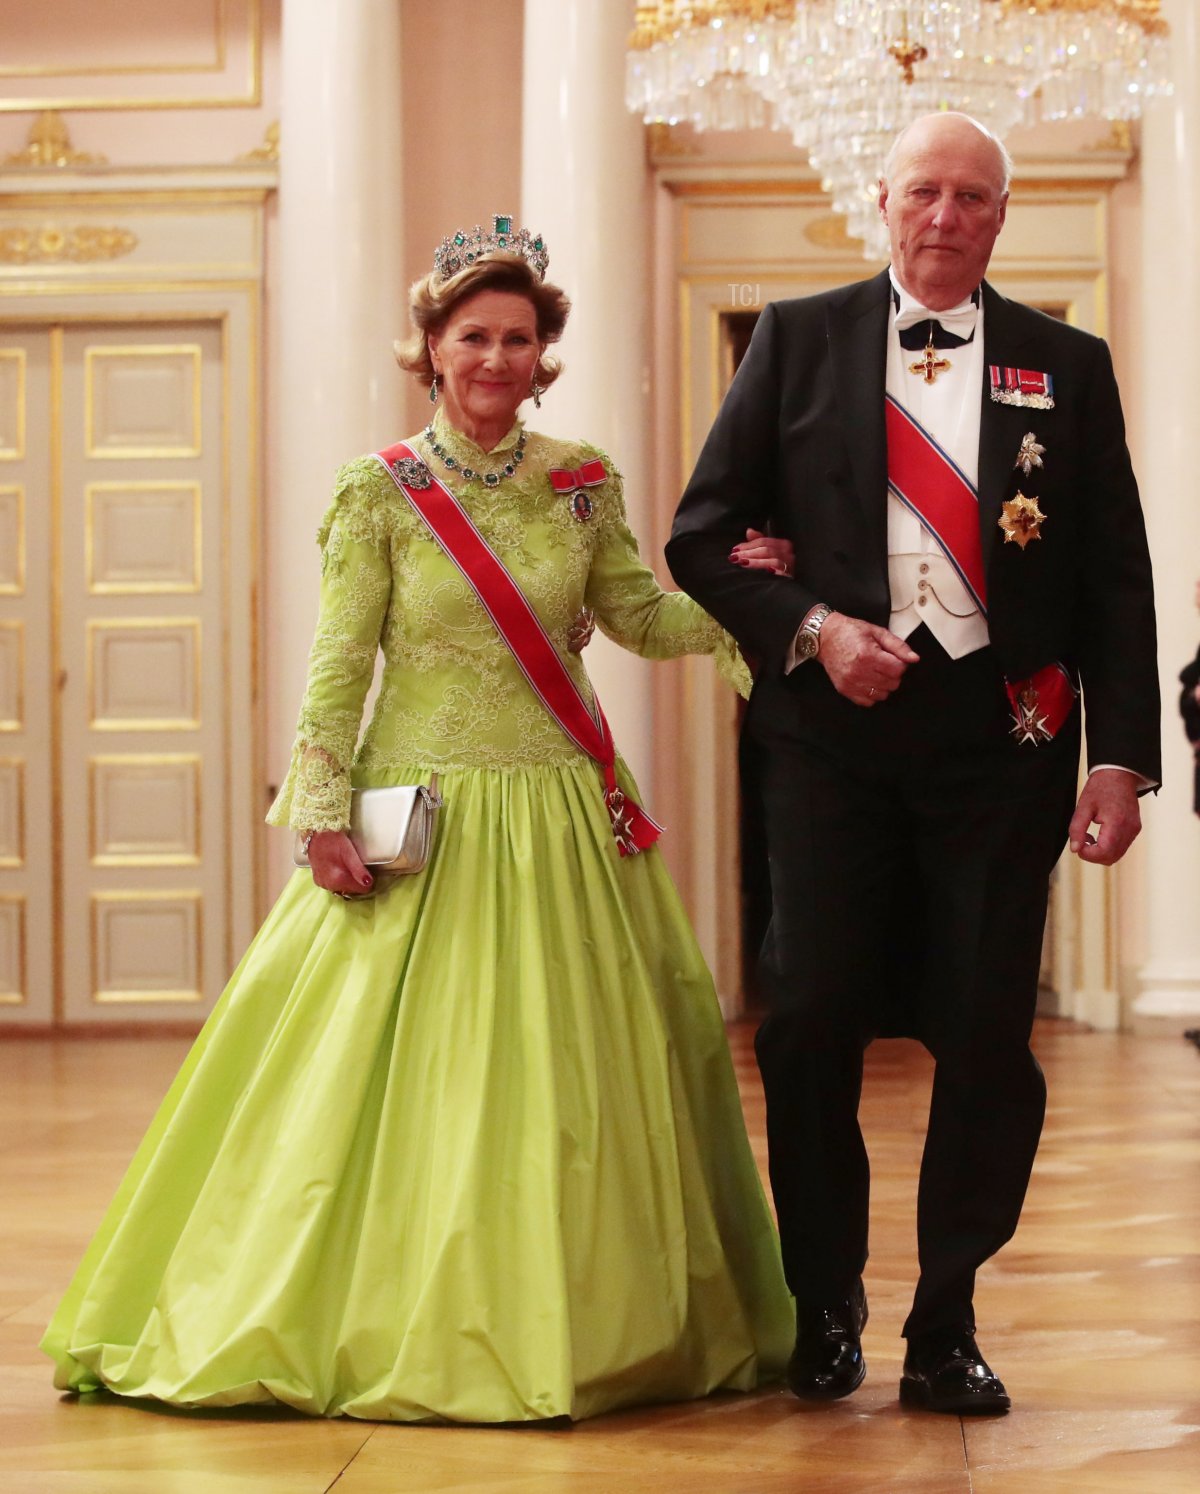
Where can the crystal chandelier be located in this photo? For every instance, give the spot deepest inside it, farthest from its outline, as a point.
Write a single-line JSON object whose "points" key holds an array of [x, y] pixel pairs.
{"points": [[845, 76]]}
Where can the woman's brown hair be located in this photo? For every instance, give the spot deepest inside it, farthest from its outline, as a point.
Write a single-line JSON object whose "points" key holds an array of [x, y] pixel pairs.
{"points": [[432, 301]]}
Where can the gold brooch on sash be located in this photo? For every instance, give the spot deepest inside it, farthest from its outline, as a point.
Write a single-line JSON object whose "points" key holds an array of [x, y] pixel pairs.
{"points": [[1021, 520], [413, 473], [1030, 454]]}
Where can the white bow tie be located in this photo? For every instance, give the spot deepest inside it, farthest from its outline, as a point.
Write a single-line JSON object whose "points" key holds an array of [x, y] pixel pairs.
{"points": [[958, 319]]}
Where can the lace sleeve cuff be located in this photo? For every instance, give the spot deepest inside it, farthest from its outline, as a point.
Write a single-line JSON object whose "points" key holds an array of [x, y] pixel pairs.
{"points": [[315, 794], [731, 666]]}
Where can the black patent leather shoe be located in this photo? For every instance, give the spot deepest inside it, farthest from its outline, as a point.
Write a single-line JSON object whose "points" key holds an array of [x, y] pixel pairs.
{"points": [[946, 1372], [827, 1362]]}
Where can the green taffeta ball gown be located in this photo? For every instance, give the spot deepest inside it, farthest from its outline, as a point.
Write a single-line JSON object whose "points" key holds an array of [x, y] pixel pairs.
{"points": [[470, 1150]]}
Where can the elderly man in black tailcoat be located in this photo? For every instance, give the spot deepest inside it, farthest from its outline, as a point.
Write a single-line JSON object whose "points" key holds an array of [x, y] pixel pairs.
{"points": [[970, 558]]}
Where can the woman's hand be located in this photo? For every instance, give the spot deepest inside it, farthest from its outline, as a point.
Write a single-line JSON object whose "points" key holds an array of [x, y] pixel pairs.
{"points": [[336, 866], [765, 552]]}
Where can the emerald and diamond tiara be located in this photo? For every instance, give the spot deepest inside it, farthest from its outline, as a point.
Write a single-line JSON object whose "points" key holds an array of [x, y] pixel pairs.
{"points": [[459, 250]]}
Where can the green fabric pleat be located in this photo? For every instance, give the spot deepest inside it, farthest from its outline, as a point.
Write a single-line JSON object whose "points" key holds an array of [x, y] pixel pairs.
{"points": [[470, 1150]]}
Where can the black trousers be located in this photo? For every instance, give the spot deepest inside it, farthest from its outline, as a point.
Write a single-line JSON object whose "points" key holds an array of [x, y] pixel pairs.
{"points": [[911, 846]]}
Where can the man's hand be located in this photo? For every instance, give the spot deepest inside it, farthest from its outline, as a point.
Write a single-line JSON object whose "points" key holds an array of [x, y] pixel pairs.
{"points": [[336, 866], [1109, 800], [865, 662]]}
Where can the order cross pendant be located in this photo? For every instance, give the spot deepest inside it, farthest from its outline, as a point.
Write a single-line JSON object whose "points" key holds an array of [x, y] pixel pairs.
{"points": [[929, 364]]}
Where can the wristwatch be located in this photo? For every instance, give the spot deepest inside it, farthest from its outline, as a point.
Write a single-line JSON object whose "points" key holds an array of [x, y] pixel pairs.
{"points": [[808, 638]]}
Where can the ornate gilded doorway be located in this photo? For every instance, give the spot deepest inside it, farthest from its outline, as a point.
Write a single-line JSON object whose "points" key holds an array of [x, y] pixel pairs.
{"points": [[118, 698]]}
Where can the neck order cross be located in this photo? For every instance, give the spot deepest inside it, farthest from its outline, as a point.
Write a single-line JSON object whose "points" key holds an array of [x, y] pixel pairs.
{"points": [[929, 364]]}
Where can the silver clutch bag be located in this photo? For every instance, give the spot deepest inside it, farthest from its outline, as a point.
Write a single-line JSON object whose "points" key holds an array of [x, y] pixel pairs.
{"points": [[391, 828]]}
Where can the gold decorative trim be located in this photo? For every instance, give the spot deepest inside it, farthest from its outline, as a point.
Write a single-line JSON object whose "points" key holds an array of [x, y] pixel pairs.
{"points": [[830, 232], [49, 144], [239, 19], [1119, 137], [15, 628], [767, 186], [266, 154], [15, 556], [177, 587], [51, 245], [20, 996], [94, 357], [185, 897], [118, 69], [16, 452], [114, 627], [58, 947], [664, 143], [15, 860], [116, 853]]}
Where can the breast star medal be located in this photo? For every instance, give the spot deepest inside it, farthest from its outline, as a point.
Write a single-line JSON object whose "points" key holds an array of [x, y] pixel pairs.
{"points": [[1021, 520], [1030, 454], [929, 365], [1030, 726]]}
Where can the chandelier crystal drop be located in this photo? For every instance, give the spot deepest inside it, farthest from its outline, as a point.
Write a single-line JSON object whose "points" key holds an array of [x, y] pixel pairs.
{"points": [[843, 77]]}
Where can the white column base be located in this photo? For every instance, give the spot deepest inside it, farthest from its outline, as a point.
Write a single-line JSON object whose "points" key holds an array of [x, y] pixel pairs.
{"points": [[1169, 990]]}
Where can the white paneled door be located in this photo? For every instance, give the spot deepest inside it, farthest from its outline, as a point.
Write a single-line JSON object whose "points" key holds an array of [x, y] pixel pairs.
{"points": [[117, 696]]}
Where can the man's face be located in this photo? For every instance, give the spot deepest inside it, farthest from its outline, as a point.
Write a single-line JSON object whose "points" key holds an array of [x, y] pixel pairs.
{"points": [[944, 206]]}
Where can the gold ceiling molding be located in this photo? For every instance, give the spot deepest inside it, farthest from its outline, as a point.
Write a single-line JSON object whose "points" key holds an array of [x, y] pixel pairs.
{"points": [[266, 154], [51, 244], [49, 144]]}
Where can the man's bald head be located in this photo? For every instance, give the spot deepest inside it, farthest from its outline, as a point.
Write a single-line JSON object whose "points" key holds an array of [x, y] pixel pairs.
{"points": [[949, 123], [943, 197]]}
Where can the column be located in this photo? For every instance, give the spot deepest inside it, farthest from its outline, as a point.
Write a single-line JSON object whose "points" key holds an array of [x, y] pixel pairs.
{"points": [[585, 189], [1169, 981], [339, 306]]}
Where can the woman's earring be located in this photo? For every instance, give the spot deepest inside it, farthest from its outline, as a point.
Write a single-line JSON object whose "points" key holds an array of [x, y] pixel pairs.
{"points": [[536, 391], [433, 390]]}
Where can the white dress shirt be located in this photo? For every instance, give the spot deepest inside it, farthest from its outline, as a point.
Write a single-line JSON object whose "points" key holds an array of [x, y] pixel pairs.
{"points": [[925, 587]]}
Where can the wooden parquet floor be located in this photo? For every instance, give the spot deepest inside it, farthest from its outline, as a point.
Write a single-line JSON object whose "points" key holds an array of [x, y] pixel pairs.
{"points": [[1092, 1316]]}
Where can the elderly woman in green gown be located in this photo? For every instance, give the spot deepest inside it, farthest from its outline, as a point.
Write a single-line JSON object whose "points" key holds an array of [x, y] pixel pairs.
{"points": [[470, 1148]]}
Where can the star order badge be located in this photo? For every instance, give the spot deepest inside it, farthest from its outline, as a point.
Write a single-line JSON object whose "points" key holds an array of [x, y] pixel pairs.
{"points": [[1021, 520], [1030, 454], [1030, 724]]}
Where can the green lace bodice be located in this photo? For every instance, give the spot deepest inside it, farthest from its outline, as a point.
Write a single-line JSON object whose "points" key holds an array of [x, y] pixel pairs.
{"points": [[451, 694]]}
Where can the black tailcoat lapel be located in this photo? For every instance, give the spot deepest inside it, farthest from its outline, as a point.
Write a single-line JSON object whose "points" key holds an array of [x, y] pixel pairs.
{"points": [[857, 331], [1005, 336]]}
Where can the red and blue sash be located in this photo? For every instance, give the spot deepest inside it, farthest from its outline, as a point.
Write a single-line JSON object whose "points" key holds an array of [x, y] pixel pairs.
{"points": [[518, 625], [925, 480], [929, 484]]}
